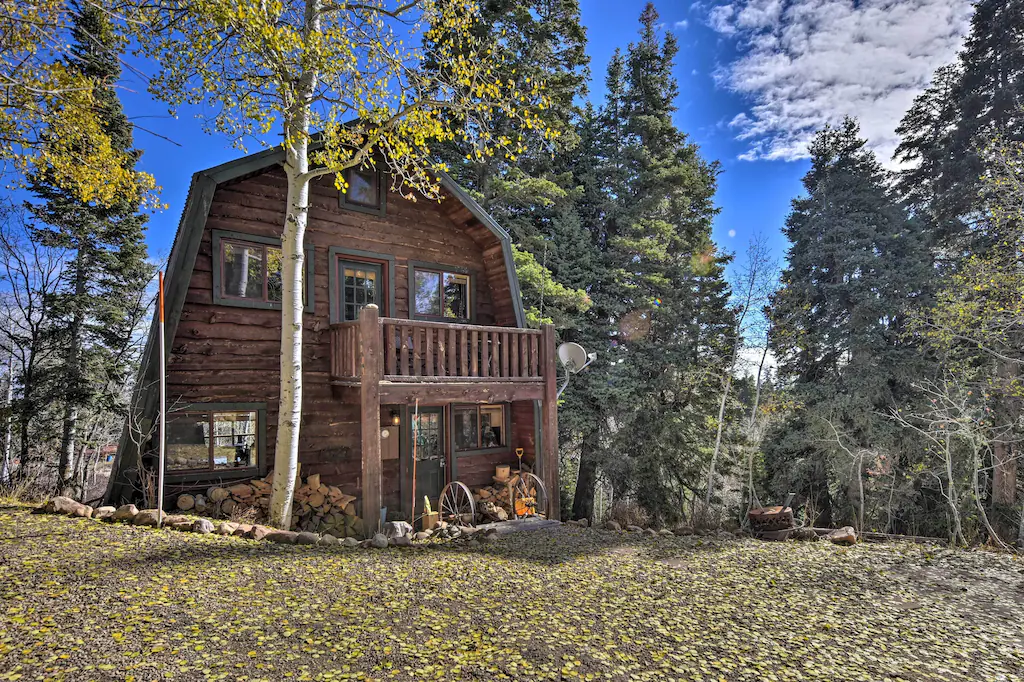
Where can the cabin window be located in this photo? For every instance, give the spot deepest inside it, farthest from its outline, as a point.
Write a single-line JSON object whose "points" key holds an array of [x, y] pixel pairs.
{"points": [[440, 294], [480, 427], [247, 271], [360, 285], [366, 190], [219, 441]]}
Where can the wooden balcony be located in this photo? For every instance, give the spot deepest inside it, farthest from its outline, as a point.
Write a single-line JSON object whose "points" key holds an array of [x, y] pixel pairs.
{"points": [[441, 361]]}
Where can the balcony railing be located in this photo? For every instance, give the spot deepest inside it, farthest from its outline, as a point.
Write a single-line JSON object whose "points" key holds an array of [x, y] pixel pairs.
{"points": [[418, 350]]}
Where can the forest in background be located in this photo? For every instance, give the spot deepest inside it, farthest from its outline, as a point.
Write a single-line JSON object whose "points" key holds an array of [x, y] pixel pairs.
{"points": [[895, 322]]}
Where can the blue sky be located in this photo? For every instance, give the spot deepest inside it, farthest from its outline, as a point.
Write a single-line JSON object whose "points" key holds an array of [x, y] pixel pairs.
{"points": [[756, 77]]}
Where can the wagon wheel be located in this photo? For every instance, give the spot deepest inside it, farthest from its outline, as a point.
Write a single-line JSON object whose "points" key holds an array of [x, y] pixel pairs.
{"points": [[529, 497], [457, 505]]}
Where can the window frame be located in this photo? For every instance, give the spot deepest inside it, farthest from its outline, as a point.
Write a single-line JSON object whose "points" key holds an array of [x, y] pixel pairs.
{"points": [[218, 237], [440, 269], [506, 409], [382, 201], [336, 255], [259, 469]]}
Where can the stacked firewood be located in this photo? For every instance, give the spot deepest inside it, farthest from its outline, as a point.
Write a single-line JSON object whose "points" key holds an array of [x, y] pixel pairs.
{"points": [[494, 502], [316, 507]]}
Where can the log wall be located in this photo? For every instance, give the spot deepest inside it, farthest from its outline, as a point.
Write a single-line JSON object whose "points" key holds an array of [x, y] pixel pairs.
{"points": [[230, 354]]}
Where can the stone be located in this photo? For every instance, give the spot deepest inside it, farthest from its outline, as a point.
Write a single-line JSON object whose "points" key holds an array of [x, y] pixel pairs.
{"points": [[665, 531], [259, 532], [307, 538], [379, 541], [583, 523], [227, 528], [85, 511], [64, 505], [103, 512], [397, 529], [805, 534], [178, 518], [422, 535], [350, 542], [282, 537], [486, 538], [725, 535], [204, 526], [474, 543], [653, 533], [634, 529], [683, 530], [126, 512], [612, 525], [178, 525], [403, 541], [844, 536], [328, 540], [148, 517]]}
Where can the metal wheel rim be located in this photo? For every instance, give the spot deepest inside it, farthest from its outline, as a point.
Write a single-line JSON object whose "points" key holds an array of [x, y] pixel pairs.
{"points": [[456, 503]]}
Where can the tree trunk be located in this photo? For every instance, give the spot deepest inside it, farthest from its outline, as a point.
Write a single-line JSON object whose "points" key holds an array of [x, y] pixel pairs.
{"points": [[7, 472], [296, 167], [718, 436], [66, 482], [586, 481]]}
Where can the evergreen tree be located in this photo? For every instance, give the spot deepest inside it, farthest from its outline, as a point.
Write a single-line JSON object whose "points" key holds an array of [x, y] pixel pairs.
{"points": [[662, 311], [857, 266], [107, 269], [968, 104]]}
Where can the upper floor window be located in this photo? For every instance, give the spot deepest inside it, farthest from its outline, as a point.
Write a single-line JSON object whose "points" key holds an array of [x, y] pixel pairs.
{"points": [[247, 271], [366, 190], [439, 293]]}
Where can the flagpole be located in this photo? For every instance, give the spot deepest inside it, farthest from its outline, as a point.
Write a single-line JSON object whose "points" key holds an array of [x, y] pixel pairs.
{"points": [[163, 407]]}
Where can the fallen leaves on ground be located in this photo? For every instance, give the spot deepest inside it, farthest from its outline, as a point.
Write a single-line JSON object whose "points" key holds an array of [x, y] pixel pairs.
{"points": [[85, 600]]}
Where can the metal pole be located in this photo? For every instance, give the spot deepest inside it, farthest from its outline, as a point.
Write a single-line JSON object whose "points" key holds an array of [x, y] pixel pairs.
{"points": [[7, 464], [415, 436], [163, 409]]}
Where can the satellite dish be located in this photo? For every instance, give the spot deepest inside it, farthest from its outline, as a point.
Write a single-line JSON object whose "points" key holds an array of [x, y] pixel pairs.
{"points": [[573, 356]]}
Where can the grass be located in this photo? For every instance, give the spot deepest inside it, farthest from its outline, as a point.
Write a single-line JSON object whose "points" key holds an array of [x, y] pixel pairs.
{"points": [[84, 600]]}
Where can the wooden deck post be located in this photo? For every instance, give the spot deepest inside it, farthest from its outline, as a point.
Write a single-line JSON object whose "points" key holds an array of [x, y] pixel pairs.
{"points": [[370, 341], [549, 423]]}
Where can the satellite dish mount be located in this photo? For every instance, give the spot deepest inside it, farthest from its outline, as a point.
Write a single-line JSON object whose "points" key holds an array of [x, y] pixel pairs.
{"points": [[575, 359]]}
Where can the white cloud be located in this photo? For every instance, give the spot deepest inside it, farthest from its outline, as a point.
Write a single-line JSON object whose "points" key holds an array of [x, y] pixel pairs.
{"points": [[732, 233], [682, 25], [804, 64]]}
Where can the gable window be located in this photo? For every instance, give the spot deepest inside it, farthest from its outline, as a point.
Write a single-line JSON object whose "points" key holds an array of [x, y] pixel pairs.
{"points": [[214, 440], [440, 293], [247, 271], [480, 427], [366, 191]]}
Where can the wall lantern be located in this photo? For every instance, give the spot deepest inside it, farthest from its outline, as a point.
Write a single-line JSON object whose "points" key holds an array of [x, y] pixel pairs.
{"points": [[396, 418]]}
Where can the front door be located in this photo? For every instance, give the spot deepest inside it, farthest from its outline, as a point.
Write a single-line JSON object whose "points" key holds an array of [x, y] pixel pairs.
{"points": [[427, 445]]}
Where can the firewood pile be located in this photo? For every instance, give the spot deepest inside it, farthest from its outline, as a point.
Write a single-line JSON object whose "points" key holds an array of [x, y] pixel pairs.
{"points": [[494, 502], [316, 507]]}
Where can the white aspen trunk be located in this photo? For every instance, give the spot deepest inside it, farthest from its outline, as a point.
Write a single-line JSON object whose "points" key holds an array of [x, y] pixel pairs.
{"points": [[718, 435], [296, 167], [286, 452]]}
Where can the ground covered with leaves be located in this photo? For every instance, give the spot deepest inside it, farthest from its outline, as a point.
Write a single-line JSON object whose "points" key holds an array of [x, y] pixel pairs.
{"points": [[85, 600]]}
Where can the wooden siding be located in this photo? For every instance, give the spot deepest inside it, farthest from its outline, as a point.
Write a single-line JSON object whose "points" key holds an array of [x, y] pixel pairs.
{"points": [[228, 354]]}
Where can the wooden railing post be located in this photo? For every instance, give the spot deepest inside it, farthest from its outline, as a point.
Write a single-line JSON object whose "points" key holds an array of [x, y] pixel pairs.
{"points": [[549, 424], [370, 340]]}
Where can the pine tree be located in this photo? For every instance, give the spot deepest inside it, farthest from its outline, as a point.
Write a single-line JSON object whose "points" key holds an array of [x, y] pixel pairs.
{"points": [[968, 104], [107, 268], [856, 266], [662, 311]]}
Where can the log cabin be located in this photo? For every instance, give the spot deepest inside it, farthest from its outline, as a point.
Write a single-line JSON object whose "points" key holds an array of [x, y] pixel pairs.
{"points": [[413, 314]]}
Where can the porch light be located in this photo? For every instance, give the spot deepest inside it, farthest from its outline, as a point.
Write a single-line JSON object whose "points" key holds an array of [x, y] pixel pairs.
{"points": [[396, 418]]}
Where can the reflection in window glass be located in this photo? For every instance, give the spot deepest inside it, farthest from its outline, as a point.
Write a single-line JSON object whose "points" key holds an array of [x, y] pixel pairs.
{"points": [[206, 441], [465, 428], [428, 293], [243, 270], [479, 428], [274, 265], [358, 289], [363, 188], [456, 296], [188, 445]]}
